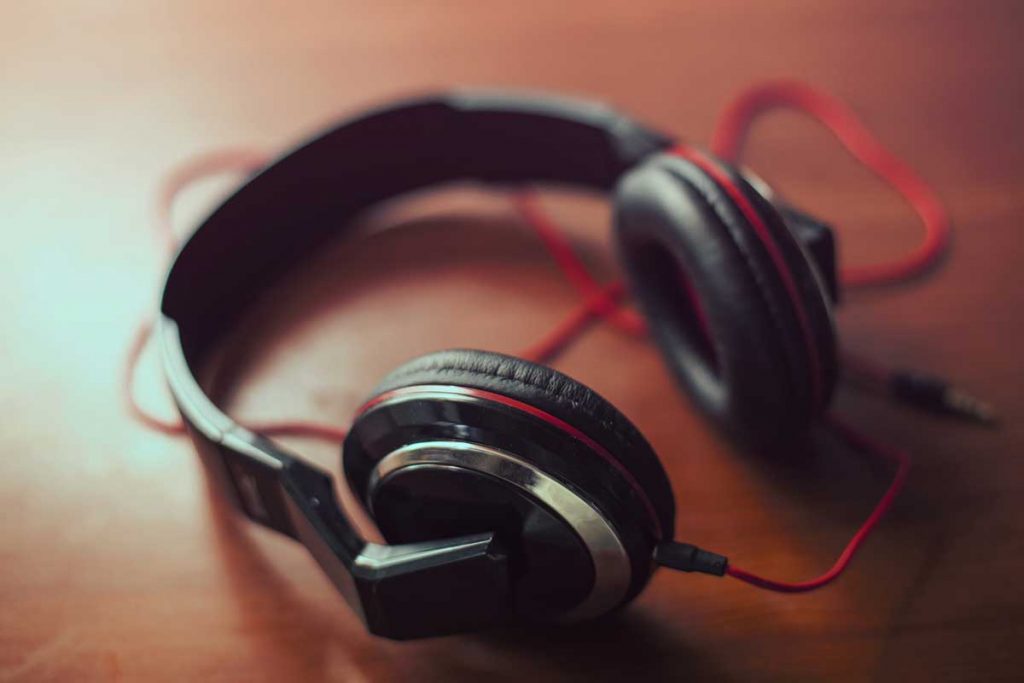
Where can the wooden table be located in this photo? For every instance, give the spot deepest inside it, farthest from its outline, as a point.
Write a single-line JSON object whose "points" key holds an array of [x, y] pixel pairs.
{"points": [[114, 562]]}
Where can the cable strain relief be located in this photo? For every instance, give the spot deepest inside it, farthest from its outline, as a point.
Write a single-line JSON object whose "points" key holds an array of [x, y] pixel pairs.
{"points": [[685, 557]]}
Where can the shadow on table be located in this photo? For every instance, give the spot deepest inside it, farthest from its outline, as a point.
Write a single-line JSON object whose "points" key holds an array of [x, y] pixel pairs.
{"points": [[301, 636]]}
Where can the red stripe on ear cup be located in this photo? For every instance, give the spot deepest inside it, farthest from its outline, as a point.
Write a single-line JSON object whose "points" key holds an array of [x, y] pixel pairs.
{"points": [[534, 411], [701, 316], [718, 174]]}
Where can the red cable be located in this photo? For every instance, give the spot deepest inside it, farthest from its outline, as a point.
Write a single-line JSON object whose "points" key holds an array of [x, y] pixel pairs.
{"points": [[727, 142], [594, 307], [577, 321], [195, 169], [863, 146], [573, 267], [731, 132], [868, 445]]}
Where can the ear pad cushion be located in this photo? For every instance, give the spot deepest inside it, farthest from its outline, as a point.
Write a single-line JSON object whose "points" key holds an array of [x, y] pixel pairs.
{"points": [[754, 374], [557, 395]]}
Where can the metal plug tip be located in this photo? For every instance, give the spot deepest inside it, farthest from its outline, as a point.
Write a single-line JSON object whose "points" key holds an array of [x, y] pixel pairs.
{"points": [[970, 407]]}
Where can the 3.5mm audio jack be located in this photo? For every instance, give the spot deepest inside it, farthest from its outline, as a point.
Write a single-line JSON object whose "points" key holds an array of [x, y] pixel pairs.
{"points": [[935, 394], [919, 389]]}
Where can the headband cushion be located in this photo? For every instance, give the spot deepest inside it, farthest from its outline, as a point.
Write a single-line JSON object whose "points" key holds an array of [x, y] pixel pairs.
{"points": [[556, 394], [745, 361]]}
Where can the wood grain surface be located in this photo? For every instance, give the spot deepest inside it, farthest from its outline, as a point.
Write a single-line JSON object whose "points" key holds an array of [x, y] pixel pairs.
{"points": [[115, 563]]}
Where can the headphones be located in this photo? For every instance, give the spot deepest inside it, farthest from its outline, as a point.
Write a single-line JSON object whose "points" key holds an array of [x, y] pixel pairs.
{"points": [[505, 489]]}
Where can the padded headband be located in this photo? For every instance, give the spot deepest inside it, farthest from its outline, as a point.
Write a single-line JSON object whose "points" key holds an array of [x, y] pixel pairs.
{"points": [[312, 193]]}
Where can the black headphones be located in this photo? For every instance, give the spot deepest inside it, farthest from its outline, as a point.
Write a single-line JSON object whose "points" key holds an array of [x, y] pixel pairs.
{"points": [[504, 488]]}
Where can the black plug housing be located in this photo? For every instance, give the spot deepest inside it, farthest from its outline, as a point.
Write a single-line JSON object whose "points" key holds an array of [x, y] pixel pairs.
{"points": [[689, 558], [935, 394]]}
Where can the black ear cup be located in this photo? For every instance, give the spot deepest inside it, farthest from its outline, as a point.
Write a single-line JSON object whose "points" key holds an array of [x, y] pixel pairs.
{"points": [[460, 442], [752, 343]]}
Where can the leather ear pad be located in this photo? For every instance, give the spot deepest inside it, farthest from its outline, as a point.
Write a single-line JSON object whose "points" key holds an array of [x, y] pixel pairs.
{"points": [[674, 223], [556, 394]]}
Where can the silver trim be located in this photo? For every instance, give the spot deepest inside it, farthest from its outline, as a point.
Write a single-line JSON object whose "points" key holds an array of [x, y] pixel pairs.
{"points": [[196, 406], [612, 571], [192, 401], [437, 392], [376, 556], [759, 184]]}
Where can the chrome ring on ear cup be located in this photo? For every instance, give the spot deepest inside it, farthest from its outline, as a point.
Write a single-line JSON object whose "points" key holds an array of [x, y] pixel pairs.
{"points": [[467, 394], [555, 398], [611, 563]]}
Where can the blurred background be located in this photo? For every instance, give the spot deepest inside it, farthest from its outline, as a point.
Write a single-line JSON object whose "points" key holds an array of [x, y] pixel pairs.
{"points": [[114, 562]]}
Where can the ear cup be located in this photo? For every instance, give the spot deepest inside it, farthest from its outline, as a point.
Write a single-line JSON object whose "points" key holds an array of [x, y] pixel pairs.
{"points": [[755, 352], [557, 394], [542, 418]]}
